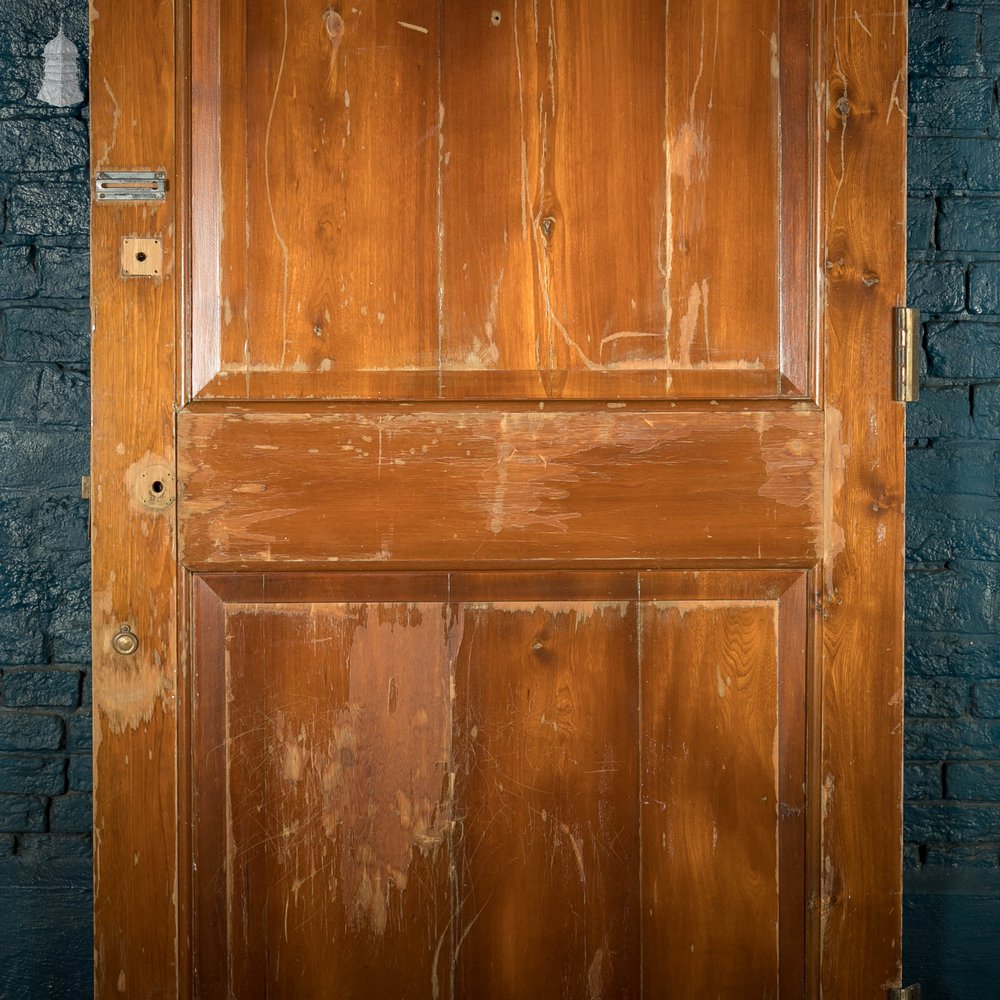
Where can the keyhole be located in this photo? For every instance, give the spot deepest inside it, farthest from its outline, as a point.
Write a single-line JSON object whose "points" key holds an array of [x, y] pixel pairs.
{"points": [[140, 256]]}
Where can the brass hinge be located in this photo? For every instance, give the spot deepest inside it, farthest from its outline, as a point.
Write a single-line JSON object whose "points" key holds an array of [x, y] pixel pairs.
{"points": [[905, 993], [906, 327]]}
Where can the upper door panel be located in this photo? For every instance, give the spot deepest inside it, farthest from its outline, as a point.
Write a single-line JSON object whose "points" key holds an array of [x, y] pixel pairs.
{"points": [[417, 200]]}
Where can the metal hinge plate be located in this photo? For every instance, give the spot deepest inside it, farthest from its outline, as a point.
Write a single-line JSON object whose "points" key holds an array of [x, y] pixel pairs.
{"points": [[130, 185], [906, 329], [905, 993]]}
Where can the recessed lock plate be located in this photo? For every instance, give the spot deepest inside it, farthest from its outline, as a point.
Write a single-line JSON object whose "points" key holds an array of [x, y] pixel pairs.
{"points": [[142, 257], [130, 185]]}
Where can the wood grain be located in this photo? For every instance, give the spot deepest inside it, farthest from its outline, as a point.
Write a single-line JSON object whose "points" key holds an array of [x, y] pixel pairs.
{"points": [[135, 721], [467, 793], [723, 795], [547, 771], [865, 223], [424, 200], [420, 202], [260, 488]]}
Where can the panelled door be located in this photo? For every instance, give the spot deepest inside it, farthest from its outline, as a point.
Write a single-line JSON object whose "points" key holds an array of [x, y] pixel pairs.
{"points": [[500, 484]]}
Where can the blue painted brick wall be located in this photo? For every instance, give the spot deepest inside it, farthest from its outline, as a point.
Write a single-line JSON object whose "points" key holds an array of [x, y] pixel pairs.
{"points": [[952, 776], [45, 767]]}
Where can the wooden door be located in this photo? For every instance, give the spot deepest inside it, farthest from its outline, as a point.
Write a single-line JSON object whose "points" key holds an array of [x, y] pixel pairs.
{"points": [[503, 483]]}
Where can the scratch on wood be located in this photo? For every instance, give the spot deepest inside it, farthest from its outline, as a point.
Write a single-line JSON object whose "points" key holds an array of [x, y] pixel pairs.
{"points": [[836, 464], [413, 27], [894, 101], [333, 23], [268, 188], [793, 474], [370, 778], [116, 117], [524, 145]]}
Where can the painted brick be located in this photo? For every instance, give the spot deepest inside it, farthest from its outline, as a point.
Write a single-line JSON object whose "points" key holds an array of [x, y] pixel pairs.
{"points": [[29, 25], [48, 208], [41, 775], [27, 686], [18, 391], [16, 82], [963, 350], [986, 410], [953, 527], [975, 857], [42, 850], [80, 772], [948, 944], [944, 41], [68, 625], [42, 458], [951, 822], [79, 732], [45, 925], [986, 701], [951, 739], [937, 287], [24, 581], [984, 288], [946, 106], [954, 468], [920, 218], [30, 731], [949, 164], [937, 699], [42, 145], [21, 639], [22, 813], [944, 412], [18, 279], [54, 334], [53, 523], [973, 782], [70, 813], [63, 396], [968, 224], [991, 39], [935, 655], [922, 781], [964, 597], [64, 272]]}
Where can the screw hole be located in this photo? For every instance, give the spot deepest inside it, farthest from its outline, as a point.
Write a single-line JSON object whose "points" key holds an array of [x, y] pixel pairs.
{"points": [[495, 19]]}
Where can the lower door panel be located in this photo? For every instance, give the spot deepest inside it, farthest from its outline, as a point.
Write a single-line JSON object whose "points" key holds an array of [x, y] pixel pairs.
{"points": [[556, 784]]}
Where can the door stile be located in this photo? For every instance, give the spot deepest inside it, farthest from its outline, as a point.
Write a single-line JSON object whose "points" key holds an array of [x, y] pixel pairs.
{"points": [[133, 516], [865, 216]]}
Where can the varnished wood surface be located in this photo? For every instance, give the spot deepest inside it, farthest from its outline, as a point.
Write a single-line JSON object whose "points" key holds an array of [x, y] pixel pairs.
{"points": [[861, 775], [588, 483], [452, 487], [419, 200], [484, 790], [133, 370]]}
